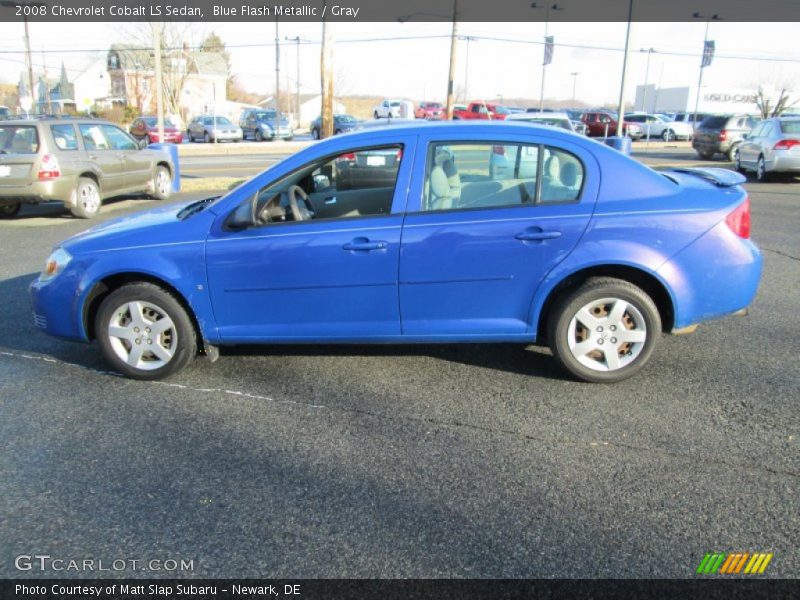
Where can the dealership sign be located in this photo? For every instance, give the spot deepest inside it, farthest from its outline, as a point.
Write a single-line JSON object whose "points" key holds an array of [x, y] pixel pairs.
{"points": [[737, 98]]}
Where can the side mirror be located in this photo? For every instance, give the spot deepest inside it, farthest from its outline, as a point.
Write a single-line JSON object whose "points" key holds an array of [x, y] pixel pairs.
{"points": [[242, 217], [321, 182]]}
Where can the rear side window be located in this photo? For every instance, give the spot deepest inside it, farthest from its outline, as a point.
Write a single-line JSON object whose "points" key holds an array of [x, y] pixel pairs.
{"points": [[790, 126], [484, 175], [64, 137], [19, 139]]}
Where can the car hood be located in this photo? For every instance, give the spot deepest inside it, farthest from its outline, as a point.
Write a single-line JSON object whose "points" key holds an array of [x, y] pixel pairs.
{"points": [[148, 228]]}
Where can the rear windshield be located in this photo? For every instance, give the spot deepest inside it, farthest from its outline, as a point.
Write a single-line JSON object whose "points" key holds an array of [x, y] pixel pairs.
{"points": [[153, 122], [19, 139], [790, 126], [714, 123]]}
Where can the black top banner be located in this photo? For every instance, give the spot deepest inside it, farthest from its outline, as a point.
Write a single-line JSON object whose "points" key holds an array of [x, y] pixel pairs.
{"points": [[402, 11]]}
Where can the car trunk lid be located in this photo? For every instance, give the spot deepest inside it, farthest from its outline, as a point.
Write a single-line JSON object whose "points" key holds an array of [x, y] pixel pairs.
{"points": [[716, 176]]}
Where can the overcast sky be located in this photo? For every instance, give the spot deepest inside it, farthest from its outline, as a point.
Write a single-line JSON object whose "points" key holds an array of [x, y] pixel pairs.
{"points": [[418, 69]]}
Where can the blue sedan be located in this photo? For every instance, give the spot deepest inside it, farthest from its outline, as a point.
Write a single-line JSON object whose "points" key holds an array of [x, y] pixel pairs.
{"points": [[454, 232]]}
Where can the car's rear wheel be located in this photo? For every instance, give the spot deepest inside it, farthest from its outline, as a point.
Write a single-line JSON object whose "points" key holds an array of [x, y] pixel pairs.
{"points": [[668, 135], [761, 169], [737, 161], [259, 137], [604, 331], [206, 139], [8, 211], [88, 199], [144, 332], [376, 115], [162, 183]]}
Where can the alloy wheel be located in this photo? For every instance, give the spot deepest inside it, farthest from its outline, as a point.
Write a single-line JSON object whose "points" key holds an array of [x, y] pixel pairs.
{"points": [[142, 335]]}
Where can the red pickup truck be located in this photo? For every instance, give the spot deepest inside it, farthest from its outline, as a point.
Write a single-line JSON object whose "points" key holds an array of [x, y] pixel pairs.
{"points": [[482, 110]]}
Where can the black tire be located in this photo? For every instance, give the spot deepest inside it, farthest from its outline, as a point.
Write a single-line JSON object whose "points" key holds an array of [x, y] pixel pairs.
{"points": [[566, 309], [376, 115], [206, 137], [161, 192], [761, 170], [9, 211], [315, 133], [258, 137], [185, 347], [668, 135], [732, 152], [337, 132], [737, 162], [704, 155], [85, 207]]}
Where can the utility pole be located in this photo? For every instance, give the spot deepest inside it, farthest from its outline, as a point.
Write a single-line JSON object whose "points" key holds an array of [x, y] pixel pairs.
{"points": [[452, 74], [574, 84], [326, 70], [46, 85], [29, 60], [547, 8], [297, 40], [646, 78], [621, 109], [159, 80], [277, 69]]}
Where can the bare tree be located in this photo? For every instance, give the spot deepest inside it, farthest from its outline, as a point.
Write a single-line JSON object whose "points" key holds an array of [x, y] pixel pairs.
{"points": [[775, 106]]}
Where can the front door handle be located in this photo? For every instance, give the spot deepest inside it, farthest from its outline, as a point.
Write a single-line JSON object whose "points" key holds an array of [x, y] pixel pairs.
{"points": [[331, 200], [364, 245], [537, 236]]}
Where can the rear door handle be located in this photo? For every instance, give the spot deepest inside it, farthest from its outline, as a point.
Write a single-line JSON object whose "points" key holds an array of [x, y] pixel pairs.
{"points": [[536, 236], [365, 245]]}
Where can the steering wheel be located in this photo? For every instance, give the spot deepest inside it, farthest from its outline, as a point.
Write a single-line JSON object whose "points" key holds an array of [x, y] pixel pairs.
{"points": [[299, 213]]}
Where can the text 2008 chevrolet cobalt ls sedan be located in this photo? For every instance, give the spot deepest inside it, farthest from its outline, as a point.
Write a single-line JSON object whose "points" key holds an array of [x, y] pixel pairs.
{"points": [[424, 233]]}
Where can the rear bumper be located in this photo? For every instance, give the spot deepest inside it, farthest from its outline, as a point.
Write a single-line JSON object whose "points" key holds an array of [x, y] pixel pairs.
{"points": [[38, 191], [715, 276], [785, 163]]}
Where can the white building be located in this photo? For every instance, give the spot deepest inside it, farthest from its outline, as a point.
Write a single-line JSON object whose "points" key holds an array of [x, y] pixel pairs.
{"points": [[713, 99], [92, 85], [311, 109]]}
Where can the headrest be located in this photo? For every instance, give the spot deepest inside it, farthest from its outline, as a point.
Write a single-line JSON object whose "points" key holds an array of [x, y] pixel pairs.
{"points": [[449, 168], [552, 167], [569, 174], [440, 188]]}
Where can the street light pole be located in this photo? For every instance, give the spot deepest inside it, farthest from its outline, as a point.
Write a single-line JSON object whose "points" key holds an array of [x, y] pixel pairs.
{"points": [[700, 78], [574, 84], [159, 80], [297, 39], [468, 39], [277, 71], [621, 110], [646, 77]]}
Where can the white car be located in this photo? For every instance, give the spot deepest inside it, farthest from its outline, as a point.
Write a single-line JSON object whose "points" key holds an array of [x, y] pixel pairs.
{"points": [[659, 126], [553, 119], [388, 109]]}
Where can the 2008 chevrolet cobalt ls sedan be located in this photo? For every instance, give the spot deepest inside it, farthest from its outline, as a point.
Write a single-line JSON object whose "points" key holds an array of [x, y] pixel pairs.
{"points": [[424, 233]]}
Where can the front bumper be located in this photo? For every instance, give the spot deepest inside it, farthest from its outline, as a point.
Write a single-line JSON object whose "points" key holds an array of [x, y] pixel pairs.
{"points": [[54, 305], [226, 136]]}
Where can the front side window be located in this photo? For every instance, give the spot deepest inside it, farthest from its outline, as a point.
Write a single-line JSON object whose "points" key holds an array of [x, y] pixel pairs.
{"points": [[354, 184], [64, 137], [117, 139], [486, 175], [93, 137]]}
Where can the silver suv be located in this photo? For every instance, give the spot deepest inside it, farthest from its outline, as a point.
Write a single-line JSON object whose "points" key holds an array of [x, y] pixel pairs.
{"points": [[78, 162]]}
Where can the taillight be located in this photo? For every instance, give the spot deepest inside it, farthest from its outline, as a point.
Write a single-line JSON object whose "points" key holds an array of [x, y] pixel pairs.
{"points": [[49, 169], [501, 150], [399, 155], [723, 135], [739, 220], [786, 144]]}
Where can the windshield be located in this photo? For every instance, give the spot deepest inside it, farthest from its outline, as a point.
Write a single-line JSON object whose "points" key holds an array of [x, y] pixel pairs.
{"points": [[19, 139], [714, 123], [266, 115], [500, 110], [220, 121], [394, 104], [345, 118], [153, 122], [790, 126]]}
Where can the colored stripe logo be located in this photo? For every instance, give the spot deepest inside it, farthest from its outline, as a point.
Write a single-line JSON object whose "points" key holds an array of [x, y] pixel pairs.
{"points": [[732, 563]]}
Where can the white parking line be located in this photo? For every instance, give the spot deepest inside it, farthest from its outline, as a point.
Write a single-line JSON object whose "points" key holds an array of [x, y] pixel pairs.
{"points": [[23, 356]]}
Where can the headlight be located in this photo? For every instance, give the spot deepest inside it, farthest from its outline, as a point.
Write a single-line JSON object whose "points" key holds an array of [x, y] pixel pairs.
{"points": [[55, 264]]}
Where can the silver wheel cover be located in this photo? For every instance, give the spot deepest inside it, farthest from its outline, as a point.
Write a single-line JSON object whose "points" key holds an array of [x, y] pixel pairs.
{"points": [[142, 335], [607, 334], [89, 197], [162, 182]]}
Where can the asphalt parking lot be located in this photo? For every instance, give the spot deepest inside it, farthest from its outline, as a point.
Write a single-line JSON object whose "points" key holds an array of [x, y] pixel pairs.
{"points": [[421, 461]]}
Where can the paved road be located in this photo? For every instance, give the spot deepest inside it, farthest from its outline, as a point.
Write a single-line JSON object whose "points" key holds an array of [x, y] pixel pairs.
{"points": [[426, 461]]}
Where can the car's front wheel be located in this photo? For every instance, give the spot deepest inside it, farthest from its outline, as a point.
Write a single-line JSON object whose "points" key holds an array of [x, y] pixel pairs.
{"points": [[144, 332], [668, 135], [315, 133], [258, 136], [8, 211], [604, 331], [737, 161], [761, 169], [88, 199]]}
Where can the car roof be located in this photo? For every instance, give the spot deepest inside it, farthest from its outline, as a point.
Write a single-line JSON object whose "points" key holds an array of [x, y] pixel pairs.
{"points": [[538, 115], [415, 126]]}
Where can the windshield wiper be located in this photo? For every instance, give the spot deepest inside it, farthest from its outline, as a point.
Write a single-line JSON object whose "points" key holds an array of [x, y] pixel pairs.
{"points": [[195, 207]]}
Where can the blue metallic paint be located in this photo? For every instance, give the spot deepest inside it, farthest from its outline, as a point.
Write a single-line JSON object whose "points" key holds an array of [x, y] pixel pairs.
{"points": [[443, 276]]}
